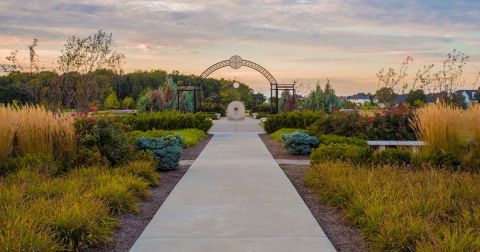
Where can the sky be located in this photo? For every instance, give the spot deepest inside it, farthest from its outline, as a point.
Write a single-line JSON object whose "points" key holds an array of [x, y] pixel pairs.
{"points": [[346, 41]]}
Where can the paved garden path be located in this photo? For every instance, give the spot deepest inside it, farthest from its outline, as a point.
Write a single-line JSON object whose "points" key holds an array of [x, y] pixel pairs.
{"points": [[234, 197]]}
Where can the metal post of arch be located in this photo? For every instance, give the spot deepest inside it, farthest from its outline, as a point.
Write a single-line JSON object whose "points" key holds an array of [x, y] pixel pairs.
{"points": [[237, 62]]}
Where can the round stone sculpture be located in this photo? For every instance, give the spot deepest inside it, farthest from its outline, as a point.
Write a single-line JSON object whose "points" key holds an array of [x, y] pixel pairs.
{"points": [[236, 110]]}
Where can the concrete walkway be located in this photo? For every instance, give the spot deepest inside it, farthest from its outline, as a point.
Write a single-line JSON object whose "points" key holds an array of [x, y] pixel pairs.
{"points": [[234, 198]]}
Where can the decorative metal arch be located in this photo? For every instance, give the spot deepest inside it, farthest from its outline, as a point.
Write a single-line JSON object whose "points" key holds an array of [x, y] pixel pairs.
{"points": [[237, 62], [234, 62]]}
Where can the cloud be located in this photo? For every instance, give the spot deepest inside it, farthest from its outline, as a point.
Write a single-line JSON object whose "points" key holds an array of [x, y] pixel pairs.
{"points": [[292, 37]]}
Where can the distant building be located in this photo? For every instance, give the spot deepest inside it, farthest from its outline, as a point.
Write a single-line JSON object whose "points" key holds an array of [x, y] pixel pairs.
{"points": [[360, 98], [469, 96]]}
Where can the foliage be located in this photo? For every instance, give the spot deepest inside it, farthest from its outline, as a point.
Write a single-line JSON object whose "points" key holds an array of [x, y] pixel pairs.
{"points": [[300, 120], [329, 139], [340, 123], [39, 212], [393, 156], [416, 97], [35, 130], [322, 100], [168, 121], [111, 102], [402, 209], [128, 103], [340, 151], [167, 150], [103, 132], [299, 143], [189, 137], [277, 135], [386, 96], [392, 124], [85, 56], [452, 134]]}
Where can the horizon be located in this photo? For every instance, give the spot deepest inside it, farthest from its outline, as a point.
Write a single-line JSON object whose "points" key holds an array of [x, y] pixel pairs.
{"points": [[345, 41]]}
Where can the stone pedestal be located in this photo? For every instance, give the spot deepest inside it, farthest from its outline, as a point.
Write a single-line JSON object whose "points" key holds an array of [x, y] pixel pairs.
{"points": [[236, 110]]}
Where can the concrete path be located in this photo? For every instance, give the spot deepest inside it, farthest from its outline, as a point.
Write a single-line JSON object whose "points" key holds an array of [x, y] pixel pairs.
{"points": [[234, 198]]}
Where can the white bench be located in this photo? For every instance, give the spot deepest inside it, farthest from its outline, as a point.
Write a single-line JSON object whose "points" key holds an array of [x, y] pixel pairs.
{"points": [[381, 145]]}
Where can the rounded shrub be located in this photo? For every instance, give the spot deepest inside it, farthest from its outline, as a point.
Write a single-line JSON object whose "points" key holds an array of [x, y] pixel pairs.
{"points": [[341, 151], [299, 120], [167, 150], [299, 143]]}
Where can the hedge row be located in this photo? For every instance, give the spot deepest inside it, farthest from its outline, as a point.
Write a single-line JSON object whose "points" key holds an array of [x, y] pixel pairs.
{"points": [[168, 121]]}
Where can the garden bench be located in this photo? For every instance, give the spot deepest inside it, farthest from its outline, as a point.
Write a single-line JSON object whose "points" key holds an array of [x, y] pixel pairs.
{"points": [[381, 145]]}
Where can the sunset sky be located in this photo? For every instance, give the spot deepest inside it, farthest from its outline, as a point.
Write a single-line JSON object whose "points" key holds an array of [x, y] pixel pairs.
{"points": [[345, 41]]}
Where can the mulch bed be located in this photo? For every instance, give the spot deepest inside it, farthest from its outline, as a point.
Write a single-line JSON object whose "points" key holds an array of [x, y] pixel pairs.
{"points": [[131, 225], [277, 150], [343, 236]]}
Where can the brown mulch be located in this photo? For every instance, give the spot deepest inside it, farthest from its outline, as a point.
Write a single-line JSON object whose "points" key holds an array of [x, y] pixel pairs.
{"points": [[132, 225], [277, 150], [343, 236]]}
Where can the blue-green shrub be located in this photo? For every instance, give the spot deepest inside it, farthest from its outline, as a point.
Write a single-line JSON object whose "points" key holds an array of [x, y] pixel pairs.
{"points": [[167, 150], [341, 151], [299, 143]]}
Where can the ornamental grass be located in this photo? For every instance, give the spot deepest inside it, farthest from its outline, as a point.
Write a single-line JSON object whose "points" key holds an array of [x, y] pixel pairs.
{"points": [[400, 209], [35, 130]]}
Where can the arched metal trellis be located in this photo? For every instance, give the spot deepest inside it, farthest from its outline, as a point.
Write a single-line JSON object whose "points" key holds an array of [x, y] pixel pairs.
{"points": [[237, 62]]}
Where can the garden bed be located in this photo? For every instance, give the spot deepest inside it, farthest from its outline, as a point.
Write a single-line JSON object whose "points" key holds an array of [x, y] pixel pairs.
{"points": [[131, 225]]}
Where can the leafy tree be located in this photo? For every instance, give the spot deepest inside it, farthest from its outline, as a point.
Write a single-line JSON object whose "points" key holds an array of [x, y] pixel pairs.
{"points": [[112, 101], [128, 102], [416, 97], [386, 96], [86, 56]]}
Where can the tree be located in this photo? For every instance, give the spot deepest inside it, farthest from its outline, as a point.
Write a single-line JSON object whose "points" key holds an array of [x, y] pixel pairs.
{"points": [[34, 67], [391, 79], [416, 97], [322, 100], [111, 102], [86, 56], [386, 96], [128, 102]]}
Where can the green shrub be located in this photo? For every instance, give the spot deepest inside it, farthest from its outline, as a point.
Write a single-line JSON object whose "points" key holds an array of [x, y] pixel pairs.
{"points": [[386, 125], [167, 150], [168, 121], [277, 135], [345, 152], [190, 137], [35, 162], [393, 156], [329, 139], [299, 120], [104, 133], [299, 143]]}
